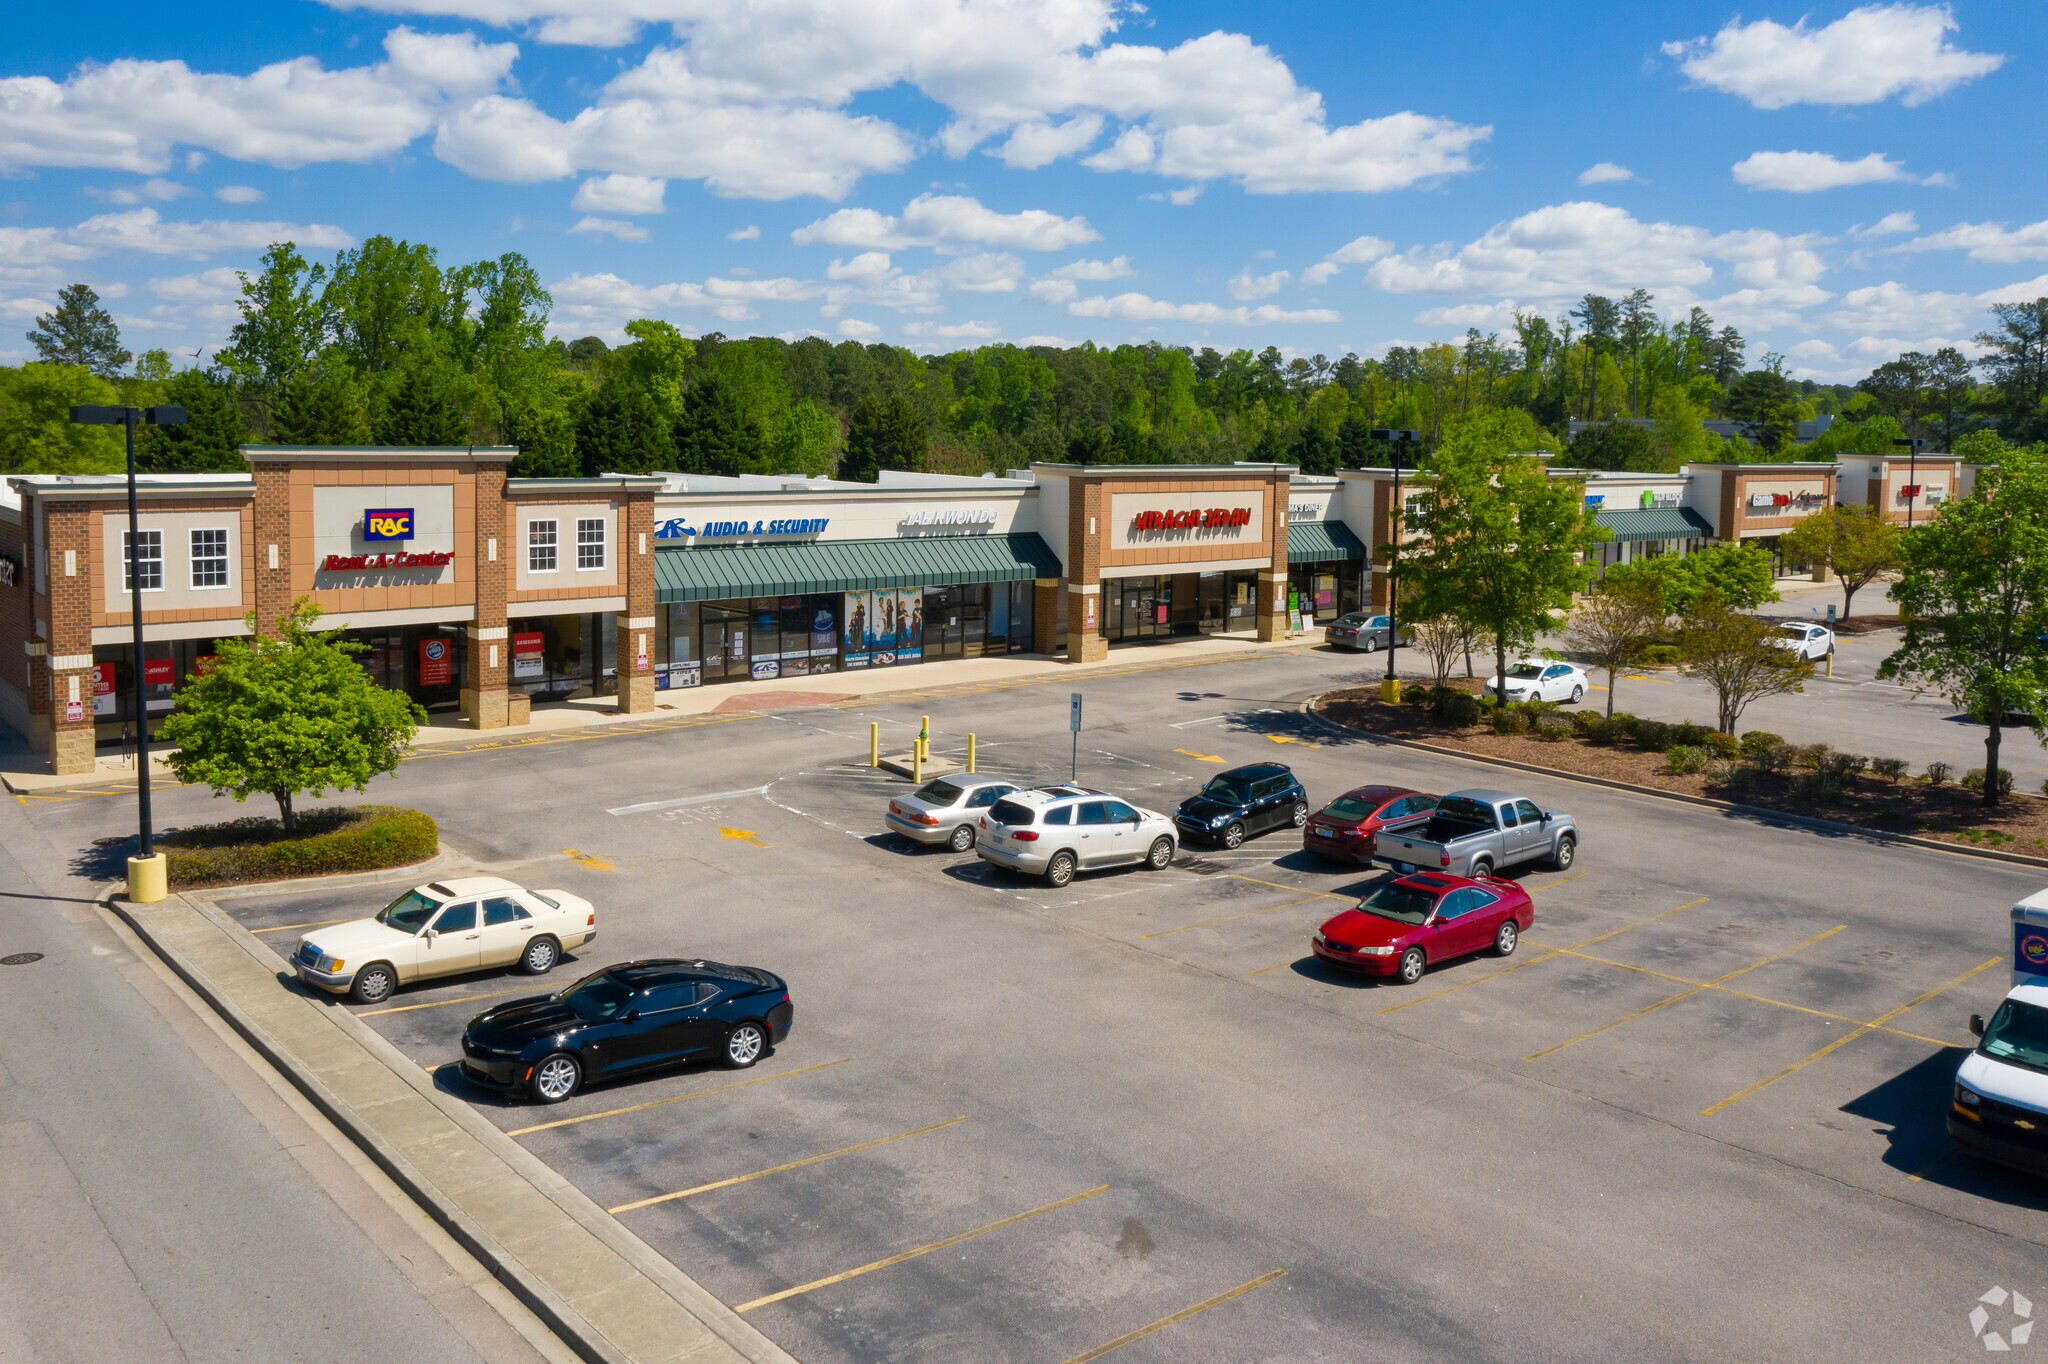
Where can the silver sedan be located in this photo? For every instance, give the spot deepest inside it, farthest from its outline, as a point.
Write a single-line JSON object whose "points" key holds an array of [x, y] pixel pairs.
{"points": [[947, 811], [1360, 630]]}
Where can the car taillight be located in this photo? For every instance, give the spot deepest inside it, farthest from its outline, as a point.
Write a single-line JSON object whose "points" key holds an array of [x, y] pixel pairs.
{"points": [[591, 922], [894, 808], [1025, 835], [926, 819], [1446, 860]]}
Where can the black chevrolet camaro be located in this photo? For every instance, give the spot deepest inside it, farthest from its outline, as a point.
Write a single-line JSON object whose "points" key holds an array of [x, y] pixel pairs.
{"points": [[626, 1019]]}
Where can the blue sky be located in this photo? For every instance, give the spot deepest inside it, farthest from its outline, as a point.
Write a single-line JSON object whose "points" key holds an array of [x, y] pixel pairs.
{"points": [[1840, 183]]}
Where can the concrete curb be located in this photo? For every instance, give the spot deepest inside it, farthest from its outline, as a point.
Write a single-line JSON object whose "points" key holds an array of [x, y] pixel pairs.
{"points": [[1832, 826], [340, 880], [581, 1333]]}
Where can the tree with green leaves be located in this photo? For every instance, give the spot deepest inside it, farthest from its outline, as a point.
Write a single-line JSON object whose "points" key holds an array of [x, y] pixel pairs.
{"points": [[289, 716], [37, 435], [1737, 655], [1619, 445], [1739, 575], [1611, 627], [883, 434], [80, 332], [319, 407], [153, 366], [421, 412], [1503, 544], [283, 323], [716, 434], [211, 439], [621, 431], [1760, 403], [1855, 543], [2016, 360], [1974, 596], [384, 300]]}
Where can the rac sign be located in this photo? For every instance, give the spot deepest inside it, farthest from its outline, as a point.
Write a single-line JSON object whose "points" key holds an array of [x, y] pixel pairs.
{"points": [[387, 523]]}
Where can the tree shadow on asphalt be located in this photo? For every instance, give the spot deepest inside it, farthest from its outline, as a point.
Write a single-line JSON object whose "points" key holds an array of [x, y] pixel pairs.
{"points": [[1914, 1107]]}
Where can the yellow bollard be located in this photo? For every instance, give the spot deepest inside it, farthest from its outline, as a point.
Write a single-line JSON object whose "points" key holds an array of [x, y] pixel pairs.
{"points": [[1831, 663], [970, 750], [1390, 690], [917, 763], [146, 879], [874, 744]]}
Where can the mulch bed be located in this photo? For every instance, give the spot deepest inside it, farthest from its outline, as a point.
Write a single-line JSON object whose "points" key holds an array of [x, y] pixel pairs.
{"points": [[1944, 813]]}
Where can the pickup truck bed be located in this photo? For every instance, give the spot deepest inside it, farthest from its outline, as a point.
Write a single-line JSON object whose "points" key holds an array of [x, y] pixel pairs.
{"points": [[1478, 831]]}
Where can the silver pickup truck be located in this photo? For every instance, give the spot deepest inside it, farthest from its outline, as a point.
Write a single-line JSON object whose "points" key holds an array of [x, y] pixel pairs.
{"points": [[1473, 833]]}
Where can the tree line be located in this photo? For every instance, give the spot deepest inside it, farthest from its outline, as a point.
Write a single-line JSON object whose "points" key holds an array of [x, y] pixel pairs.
{"points": [[386, 345]]}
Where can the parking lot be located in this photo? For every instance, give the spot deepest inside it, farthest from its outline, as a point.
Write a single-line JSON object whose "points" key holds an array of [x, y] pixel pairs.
{"points": [[1697, 1115]]}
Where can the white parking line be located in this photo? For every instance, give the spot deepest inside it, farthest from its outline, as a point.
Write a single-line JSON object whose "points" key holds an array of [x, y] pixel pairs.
{"points": [[1188, 724], [678, 804]]}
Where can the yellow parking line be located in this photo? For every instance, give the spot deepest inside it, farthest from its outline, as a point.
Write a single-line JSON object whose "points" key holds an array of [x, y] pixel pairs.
{"points": [[1682, 994], [1263, 969], [1178, 1317], [1845, 1040], [793, 1165], [458, 999], [675, 1099], [1250, 913], [1558, 882], [1584, 942], [317, 923], [913, 1254], [1281, 885]]}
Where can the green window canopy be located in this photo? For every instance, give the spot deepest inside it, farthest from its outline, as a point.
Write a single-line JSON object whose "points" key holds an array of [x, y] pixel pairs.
{"points": [[723, 572], [1322, 542], [1660, 523]]}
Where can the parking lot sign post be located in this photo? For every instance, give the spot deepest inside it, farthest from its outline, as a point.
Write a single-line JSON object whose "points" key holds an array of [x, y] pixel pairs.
{"points": [[1074, 724]]}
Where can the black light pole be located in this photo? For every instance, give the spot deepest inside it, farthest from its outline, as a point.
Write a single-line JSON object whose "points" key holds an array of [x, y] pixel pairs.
{"points": [[1912, 473], [126, 418], [1395, 439]]}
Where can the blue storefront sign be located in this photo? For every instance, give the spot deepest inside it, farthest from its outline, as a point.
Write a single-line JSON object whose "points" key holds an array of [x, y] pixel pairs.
{"points": [[679, 528], [387, 523]]}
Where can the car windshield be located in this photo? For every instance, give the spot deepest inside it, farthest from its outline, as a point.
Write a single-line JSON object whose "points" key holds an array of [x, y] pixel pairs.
{"points": [[1010, 812], [1350, 807], [409, 912], [2019, 1033], [1401, 903], [1525, 670], [1225, 790], [1466, 809], [1353, 619], [939, 793], [1795, 631], [596, 998]]}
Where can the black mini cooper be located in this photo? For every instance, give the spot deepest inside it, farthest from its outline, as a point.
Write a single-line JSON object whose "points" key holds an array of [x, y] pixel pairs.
{"points": [[626, 1019], [1241, 802]]}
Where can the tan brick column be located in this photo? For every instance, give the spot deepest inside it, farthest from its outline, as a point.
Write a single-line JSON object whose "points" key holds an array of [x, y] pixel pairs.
{"points": [[274, 543], [1272, 605], [636, 625], [490, 662], [1045, 616], [69, 661], [1086, 506]]}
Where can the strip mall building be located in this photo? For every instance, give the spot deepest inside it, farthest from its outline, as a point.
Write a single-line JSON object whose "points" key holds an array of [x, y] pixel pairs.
{"points": [[487, 594]]}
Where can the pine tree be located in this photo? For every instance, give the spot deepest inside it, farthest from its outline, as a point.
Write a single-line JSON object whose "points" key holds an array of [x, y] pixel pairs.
{"points": [[210, 440], [80, 332], [421, 413], [621, 431], [317, 410], [884, 434], [546, 438], [715, 434]]}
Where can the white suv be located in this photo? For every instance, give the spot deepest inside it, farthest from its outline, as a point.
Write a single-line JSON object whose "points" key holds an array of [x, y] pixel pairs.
{"points": [[1055, 833]]}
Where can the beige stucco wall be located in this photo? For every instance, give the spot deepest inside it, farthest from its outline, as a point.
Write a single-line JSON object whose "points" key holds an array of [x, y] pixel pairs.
{"points": [[566, 576], [177, 593]]}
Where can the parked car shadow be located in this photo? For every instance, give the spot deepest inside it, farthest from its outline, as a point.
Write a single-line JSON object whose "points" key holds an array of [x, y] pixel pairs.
{"points": [[1913, 1106], [450, 1079]]}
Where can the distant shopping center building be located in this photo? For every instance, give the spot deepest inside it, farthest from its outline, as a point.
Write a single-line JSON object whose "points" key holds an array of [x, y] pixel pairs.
{"points": [[485, 594]]}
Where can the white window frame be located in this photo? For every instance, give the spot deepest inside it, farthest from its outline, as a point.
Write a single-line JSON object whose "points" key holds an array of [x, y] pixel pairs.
{"points": [[536, 546], [128, 562], [196, 559], [590, 544]]}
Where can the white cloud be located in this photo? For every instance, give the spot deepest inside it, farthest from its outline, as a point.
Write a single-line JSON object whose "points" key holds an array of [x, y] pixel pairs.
{"points": [[948, 222], [964, 331], [1894, 307], [1247, 286], [1059, 342], [239, 194], [1891, 224], [157, 188], [616, 193], [208, 286], [612, 227], [1867, 55], [1357, 251], [852, 328], [1140, 308], [145, 230], [1054, 290], [1119, 268], [1039, 143], [598, 303], [749, 233], [1992, 243], [128, 115], [1806, 172], [2026, 291], [1132, 150], [1485, 316], [1600, 173], [987, 272]]}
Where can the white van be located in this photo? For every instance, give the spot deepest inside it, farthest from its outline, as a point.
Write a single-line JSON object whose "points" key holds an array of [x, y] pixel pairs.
{"points": [[2000, 1108]]}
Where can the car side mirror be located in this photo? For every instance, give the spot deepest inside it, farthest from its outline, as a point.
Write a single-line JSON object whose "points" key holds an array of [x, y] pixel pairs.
{"points": [[1546, 816], [1977, 1024], [431, 934], [632, 1016]]}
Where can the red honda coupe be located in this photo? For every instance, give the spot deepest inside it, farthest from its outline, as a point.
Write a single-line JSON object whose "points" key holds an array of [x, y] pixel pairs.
{"points": [[1408, 923], [1344, 828]]}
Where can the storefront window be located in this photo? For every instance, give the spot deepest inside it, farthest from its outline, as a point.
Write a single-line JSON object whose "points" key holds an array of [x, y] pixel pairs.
{"points": [[558, 658]]}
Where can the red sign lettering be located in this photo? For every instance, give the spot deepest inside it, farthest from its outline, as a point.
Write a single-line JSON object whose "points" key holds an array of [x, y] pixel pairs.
{"points": [[159, 672], [356, 563], [1211, 518]]}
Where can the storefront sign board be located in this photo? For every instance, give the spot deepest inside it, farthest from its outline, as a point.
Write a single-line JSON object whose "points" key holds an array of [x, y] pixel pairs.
{"points": [[437, 663], [103, 702], [528, 650], [387, 523]]}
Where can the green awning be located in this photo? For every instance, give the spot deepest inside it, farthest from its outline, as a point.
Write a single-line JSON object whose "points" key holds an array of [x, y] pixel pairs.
{"points": [[1322, 542], [722, 572], [1657, 523]]}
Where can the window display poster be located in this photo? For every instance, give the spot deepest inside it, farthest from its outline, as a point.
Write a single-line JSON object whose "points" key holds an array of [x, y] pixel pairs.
{"points": [[860, 610], [909, 624], [824, 631], [884, 631], [437, 663], [528, 648], [764, 671], [103, 689], [159, 680]]}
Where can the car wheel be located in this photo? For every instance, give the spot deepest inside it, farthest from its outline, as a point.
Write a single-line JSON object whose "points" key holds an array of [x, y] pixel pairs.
{"points": [[1567, 849], [1160, 854], [1506, 938], [373, 984], [1301, 816], [1578, 694], [1480, 867], [1060, 870], [744, 1045], [555, 1078], [962, 839], [1371, 644], [540, 956], [1233, 835], [1413, 963]]}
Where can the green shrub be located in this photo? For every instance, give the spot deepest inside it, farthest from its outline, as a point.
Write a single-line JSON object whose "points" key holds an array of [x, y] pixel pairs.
{"points": [[1820, 786], [1973, 780], [1775, 759], [1816, 757], [1891, 769], [1685, 758], [1758, 740], [1416, 696], [1655, 655], [1691, 733], [338, 839], [1488, 703], [1847, 765], [1553, 727], [1721, 745], [1589, 724], [1621, 727], [1937, 772], [1510, 721], [1461, 708], [1533, 708], [1652, 735]]}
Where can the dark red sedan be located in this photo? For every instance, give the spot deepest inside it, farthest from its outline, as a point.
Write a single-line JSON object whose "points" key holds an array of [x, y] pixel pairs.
{"points": [[1344, 828], [1412, 921]]}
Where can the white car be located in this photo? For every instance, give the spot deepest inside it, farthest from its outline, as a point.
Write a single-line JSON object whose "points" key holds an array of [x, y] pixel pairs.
{"points": [[1056, 831], [1812, 642], [1532, 679], [946, 810], [468, 923]]}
